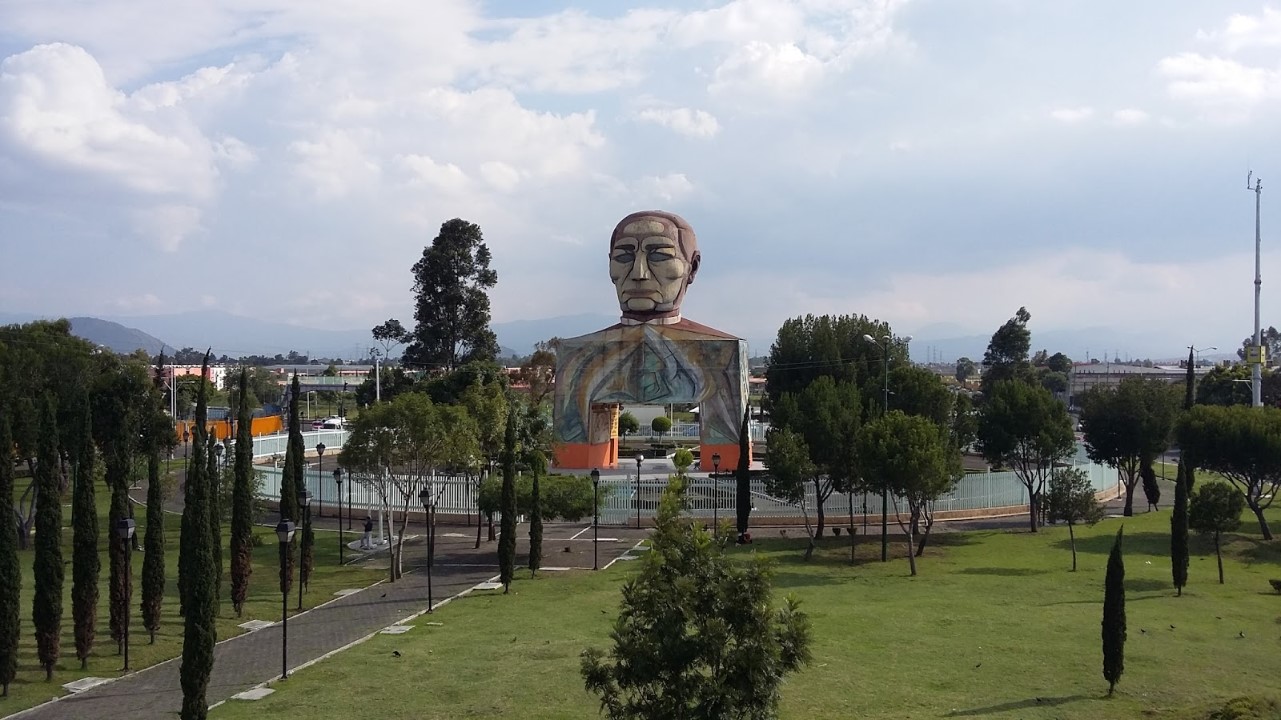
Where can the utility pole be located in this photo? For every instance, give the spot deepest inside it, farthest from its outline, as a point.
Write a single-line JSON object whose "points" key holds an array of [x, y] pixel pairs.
{"points": [[378, 377], [1257, 357]]}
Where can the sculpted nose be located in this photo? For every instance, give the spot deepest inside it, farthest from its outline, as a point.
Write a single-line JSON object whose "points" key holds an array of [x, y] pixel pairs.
{"points": [[640, 270]]}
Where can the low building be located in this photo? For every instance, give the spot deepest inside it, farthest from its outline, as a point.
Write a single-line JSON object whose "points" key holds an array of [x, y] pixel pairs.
{"points": [[1084, 376]]}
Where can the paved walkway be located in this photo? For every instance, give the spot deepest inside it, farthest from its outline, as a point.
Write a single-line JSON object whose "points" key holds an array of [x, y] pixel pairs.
{"points": [[255, 657]]}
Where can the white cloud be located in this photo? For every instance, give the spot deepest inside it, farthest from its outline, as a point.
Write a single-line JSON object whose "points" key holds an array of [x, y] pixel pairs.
{"points": [[56, 105], [1129, 116], [424, 170], [1221, 84], [763, 70], [1072, 116], [694, 123], [500, 175], [1247, 31], [334, 164], [665, 188], [167, 226]]}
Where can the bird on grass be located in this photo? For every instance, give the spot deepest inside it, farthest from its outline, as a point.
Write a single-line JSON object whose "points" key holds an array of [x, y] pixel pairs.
{"points": [[395, 653]]}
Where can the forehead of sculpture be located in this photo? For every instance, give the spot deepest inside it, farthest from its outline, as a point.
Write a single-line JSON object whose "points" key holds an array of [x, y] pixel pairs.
{"points": [[650, 223]]}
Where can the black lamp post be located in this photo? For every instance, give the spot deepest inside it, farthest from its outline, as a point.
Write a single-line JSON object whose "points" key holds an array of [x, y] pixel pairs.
{"points": [[639, 459], [320, 472], [304, 509], [285, 533], [124, 531], [341, 543], [716, 486], [595, 514], [349, 484], [429, 510]]}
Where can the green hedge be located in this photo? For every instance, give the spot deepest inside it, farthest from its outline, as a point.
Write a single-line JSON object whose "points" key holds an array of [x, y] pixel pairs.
{"points": [[567, 497]]}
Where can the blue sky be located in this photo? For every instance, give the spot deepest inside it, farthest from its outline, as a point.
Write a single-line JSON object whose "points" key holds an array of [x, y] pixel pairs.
{"points": [[932, 163]]}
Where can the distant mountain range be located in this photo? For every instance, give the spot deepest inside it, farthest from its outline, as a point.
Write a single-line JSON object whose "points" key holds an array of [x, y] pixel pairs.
{"points": [[237, 336]]}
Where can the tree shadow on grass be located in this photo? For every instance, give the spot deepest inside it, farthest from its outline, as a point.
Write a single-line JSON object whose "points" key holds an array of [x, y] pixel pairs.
{"points": [[786, 579], [1139, 543], [1017, 705]]}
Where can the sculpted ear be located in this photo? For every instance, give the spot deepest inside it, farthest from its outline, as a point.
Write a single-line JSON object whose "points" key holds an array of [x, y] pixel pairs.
{"points": [[693, 266]]}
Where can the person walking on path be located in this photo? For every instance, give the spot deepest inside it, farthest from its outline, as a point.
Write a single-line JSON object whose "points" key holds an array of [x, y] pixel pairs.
{"points": [[366, 541]]}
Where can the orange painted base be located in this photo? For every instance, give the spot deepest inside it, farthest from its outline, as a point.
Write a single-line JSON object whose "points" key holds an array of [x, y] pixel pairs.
{"points": [[728, 453], [585, 456]]}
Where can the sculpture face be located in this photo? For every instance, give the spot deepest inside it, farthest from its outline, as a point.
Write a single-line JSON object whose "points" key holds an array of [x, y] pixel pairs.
{"points": [[653, 257]]}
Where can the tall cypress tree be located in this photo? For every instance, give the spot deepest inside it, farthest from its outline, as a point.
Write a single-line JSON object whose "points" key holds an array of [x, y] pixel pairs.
{"points": [[242, 502], [307, 538], [1179, 530], [215, 521], [46, 607], [507, 506], [1114, 616], [743, 475], [159, 434], [10, 568], [199, 634], [85, 564], [289, 484], [537, 466]]}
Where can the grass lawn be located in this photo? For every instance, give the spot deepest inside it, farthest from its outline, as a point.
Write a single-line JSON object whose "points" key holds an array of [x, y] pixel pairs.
{"points": [[31, 688], [994, 626]]}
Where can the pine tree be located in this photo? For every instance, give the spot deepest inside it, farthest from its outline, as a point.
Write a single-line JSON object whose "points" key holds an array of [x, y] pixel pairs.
{"points": [[289, 484], [199, 634], [215, 520], [46, 608], [153, 560], [743, 475], [507, 506], [1179, 530], [85, 564], [1114, 617], [10, 568], [537, 468], [242, 503], [187, 538]]}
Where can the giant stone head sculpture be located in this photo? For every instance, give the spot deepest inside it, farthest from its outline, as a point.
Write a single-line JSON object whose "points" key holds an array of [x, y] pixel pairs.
{"points": [[653, 257]]}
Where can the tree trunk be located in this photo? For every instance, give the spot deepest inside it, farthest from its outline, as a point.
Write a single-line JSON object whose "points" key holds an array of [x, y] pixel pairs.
{"points": [[1218, 556], [1129, 496], [818, 512], [480, 521], [1032, 509], [925, 538], [850, 496], [1263, 522], [1072, 542], [911, 544]]}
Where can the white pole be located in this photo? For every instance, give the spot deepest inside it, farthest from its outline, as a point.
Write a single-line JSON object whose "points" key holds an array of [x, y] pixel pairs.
{"points": [[378, 378], [1256, 369]]}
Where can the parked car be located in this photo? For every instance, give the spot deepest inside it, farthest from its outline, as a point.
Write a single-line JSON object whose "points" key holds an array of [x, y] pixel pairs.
{"points": [[330, 423]]}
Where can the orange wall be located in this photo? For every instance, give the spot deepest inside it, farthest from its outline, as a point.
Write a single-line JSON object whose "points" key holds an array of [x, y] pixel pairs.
{"points": [[269, 425]]}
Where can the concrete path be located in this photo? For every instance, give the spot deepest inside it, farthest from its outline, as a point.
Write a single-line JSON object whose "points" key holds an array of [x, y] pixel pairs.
{"points": [[255, 657]]}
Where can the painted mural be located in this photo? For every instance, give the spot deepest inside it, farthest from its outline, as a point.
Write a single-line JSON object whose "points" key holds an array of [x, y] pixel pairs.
{"points": [[653, 355]]}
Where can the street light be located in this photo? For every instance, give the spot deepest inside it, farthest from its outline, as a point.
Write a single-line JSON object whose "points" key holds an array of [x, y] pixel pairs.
{"points": [[341, 542], [429, 509], [320, 472], [124, 531], [639, 459], [716, 498], [595, 514], [1198, 351], [285, 533], [885, 492], [304, 509]]}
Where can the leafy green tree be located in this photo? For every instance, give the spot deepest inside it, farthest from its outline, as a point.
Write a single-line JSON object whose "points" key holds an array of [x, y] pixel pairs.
{"points": [[46, 607], [390, 333], [212, 476], [10, 568], [153, 560], [827, 416], [488, 406], [199, 631], [911, 455], [698, 634], [1007, 352], [1151, 490], [1179, 530], [965, 421], [567, 497], [682, 459], [536, 513], [743, 476], [965, 369], [1023, 427], [451, 309], [85, 563], [811, 347], [1213, 510], [920, 391], [1128, 427], [628, 425], [660, 425], [790, 468], [242, 505], [1114, 616], [1059, 363], [1241, 443], [1072, 500], [507, 538]]}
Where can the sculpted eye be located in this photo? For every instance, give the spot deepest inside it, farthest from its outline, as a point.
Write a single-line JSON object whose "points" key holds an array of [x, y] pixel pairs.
{"points": [[656, 256], [624, 256]]}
